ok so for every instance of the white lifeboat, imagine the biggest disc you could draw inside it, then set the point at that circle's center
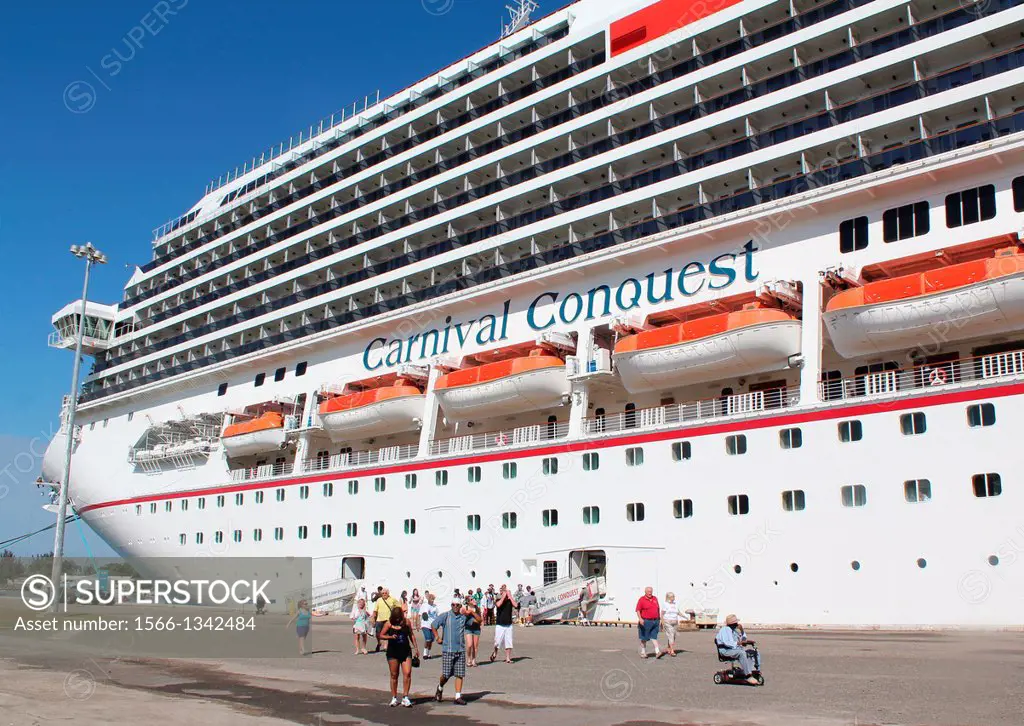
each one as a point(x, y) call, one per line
point(255, 436)
point(506, 387)
point(744, 342)
point(967, 300)
point(382, 410)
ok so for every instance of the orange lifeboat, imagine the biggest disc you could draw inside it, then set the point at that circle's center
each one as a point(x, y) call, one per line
point(517, 384)
point(373, 412)
point(966, 300)
point(745, 342)
point(257, 435)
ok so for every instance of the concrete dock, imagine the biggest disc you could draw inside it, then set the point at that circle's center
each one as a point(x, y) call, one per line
point(562, 675)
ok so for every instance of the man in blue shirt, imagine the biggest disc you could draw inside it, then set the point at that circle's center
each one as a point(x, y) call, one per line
point(731, 641)
point(453, 648)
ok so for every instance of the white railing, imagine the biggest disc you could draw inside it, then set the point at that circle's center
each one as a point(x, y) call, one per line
point(265, 471)
point(353, 459)
point(533, 435)
point(737, 405)
point(932, 376)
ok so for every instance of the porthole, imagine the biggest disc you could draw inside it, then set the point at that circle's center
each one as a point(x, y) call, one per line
point(794, 567)
point(855, 565)
point(408, 574)
point(922, 562)
point(775, 582)
point(508, 573)
point(993, 560)
point(472, 573)
point(440, 574)
point(737, 569)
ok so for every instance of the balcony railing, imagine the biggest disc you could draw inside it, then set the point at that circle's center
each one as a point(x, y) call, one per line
point(738, 405)
point(507, 439)
point(265, 471)
point(932, 376)
point(354, 459)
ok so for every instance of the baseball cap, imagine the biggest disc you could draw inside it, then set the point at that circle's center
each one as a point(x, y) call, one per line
point(456, 601)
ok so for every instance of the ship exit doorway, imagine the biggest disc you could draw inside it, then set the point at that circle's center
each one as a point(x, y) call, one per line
point(587, 563)
point(353, 568)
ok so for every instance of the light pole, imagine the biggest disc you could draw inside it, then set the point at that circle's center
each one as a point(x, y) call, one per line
point(92, 256)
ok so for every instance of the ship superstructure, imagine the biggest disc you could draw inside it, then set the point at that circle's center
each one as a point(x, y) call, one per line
point(726, 298)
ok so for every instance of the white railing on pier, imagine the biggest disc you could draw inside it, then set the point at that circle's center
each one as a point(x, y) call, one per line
point(737, 405)
point(354, 459)
point(264, 471)
point(520, 436)
point(959, 373)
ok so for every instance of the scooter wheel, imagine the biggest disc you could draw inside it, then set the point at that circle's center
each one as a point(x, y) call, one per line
point(760, 679)
point(718, 678)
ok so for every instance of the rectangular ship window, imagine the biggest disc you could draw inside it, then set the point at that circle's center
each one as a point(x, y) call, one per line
point(910, 220)
point(987, 485)
point(917, 490)
point(739, 504)
point(682, 508)
point(850, 431)
point(982, 414)
point(791, 438)
point(681, 451)
point(970, 206)
point(794, 500)
point(591, 515)
point(855, 495)
point(853, 234)
point(635, 512)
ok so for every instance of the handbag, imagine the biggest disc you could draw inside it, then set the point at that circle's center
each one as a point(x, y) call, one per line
point(415, 661)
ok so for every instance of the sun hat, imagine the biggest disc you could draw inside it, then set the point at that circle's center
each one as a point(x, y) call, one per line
point(731, 620)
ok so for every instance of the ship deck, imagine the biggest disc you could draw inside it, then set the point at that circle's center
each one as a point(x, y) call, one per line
point(561, 675)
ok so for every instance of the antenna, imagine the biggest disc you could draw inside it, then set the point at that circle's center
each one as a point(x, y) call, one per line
point(519, 16)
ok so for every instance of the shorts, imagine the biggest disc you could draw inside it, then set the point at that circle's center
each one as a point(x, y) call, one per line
point(453, 665)
point(649, 630)
point(428, 635)
point(302, 630)
point(377, 627)
point(502, 636)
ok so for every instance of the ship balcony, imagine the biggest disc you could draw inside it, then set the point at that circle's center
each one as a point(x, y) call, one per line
point(736, 406)
point(263, 471)
point(515, 438)
point(927, 378)
point(356, 459)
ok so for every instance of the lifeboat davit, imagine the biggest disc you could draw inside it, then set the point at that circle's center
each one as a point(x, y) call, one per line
point(744, 342)
point(516, 385)
point(384, 410)
point(967, 300)
point(255, 436)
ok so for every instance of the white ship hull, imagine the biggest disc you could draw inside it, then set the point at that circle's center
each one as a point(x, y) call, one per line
point(747, 351)
point(391, 416)
point(993, 307)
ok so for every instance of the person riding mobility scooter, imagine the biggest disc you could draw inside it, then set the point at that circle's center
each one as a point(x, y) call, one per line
point(733, 647)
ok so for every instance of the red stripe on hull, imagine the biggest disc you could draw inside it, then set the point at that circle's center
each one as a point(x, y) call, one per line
point(660, 19)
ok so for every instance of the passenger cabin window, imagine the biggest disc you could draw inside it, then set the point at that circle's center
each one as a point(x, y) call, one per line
point(440, 478)
point(1018, 194)
point(278, 533)
point(222, 389)
point(379, 484)
point(378, 528)
point(681, 451)
point(910, 220)
point(682, 508)
point(259, 498)
point(987, 485)
point(912, 424)
point(351, 529)
point(509, 520)
point(634, 456)
point(473, 522)
point(353, 486)
point(739, 504)
point(410, 526)
point(981, 414)
point(635, 512)
point(853, 234)
point(328, 489)
point(326, 531)
point(550, 466)
point(970, 206)
point(279, 374)
point(509, 470)
point(549, 517)
point(303, 531)
point(410, 481)
point(791, 438)
point(591, 515)
point(474, 474)
point(855, 495)
point(260, 378)
point(736, 445)
point(591, 461)
point(917, 490)
point(300, 369)
point(794, 501)
point(850, 431)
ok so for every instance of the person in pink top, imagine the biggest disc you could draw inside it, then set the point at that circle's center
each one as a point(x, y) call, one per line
point(648, 613)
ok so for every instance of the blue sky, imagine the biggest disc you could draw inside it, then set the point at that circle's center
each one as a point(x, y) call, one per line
point(171, 103)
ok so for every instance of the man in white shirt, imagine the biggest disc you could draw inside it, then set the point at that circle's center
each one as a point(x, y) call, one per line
point(428, 612)
point(731, 642)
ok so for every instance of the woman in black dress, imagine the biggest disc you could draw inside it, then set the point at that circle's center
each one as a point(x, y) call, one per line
point(401, 647)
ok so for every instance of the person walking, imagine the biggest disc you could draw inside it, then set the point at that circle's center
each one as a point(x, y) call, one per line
point(450, 633)
point(473, 621)
point(401, 653)
point(404, 600)
point(529, 606)
point(303, 619)
point(648, 614)
point(489, 605)
point(503, 619)
point(382, 609)
point(360, 625)
point(415, 603)
point(427, 615)
point(517, 600)
point(582, 602)
point(670, 621)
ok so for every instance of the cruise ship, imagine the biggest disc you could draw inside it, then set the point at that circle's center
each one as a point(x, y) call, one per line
point(721, 297)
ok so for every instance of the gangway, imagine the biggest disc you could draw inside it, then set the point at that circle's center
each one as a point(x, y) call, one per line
point(561, 597)
point(335, 595)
